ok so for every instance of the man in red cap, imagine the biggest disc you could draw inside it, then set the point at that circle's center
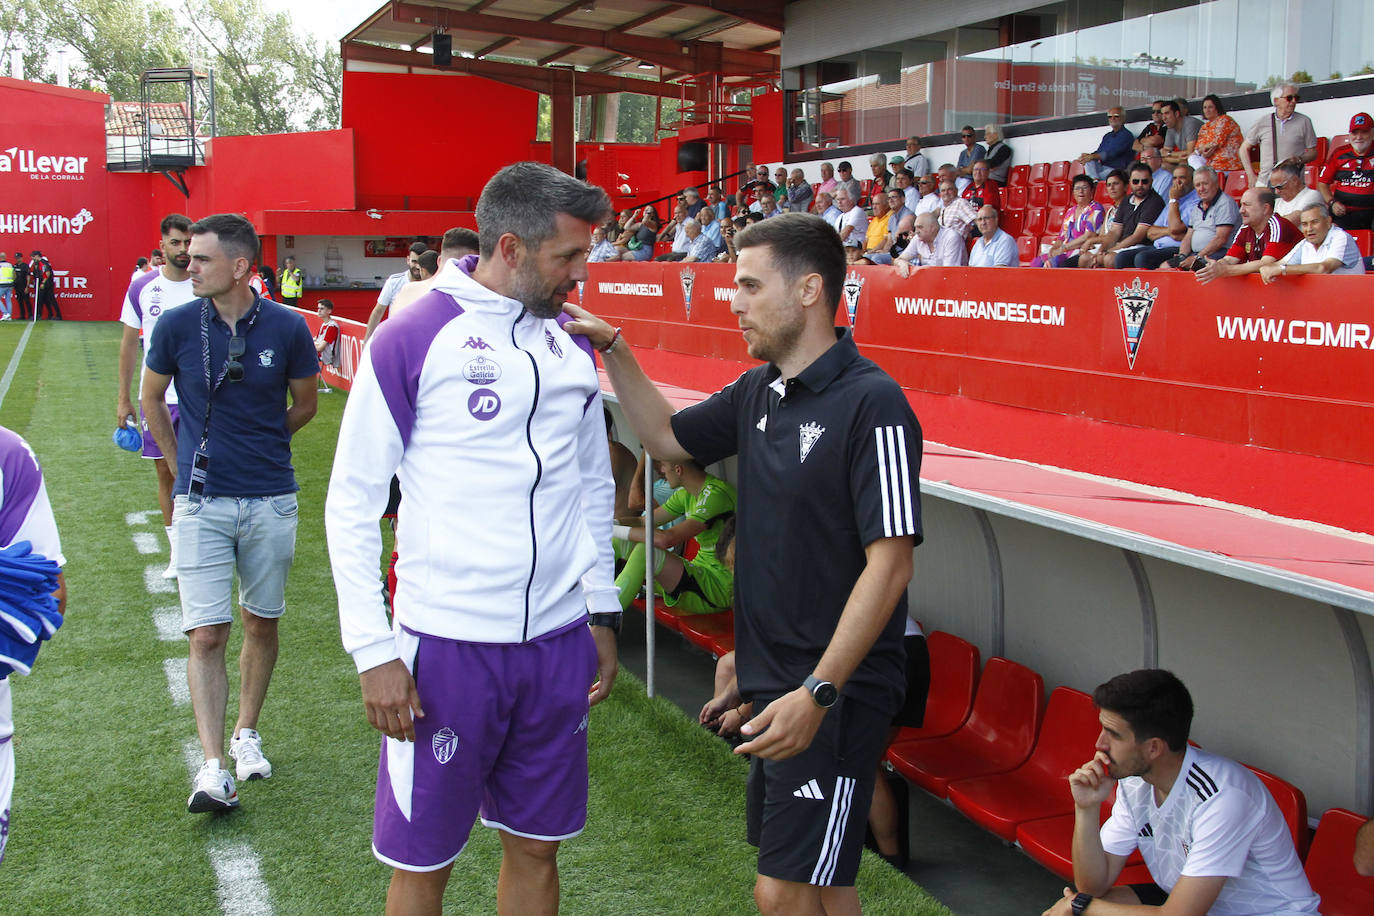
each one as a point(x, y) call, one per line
point(1347, 179)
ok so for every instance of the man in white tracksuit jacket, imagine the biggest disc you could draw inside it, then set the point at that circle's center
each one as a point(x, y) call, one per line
point(490, 415)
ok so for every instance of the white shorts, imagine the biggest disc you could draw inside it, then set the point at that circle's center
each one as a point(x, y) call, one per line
point(6, 763)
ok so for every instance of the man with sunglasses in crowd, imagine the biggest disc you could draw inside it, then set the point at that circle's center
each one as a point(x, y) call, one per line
point(1283, 136)
point(1129, 231)
point(234, 357)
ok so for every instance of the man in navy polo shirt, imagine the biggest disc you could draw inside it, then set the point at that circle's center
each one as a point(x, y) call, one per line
point(828, 514)
point(234, 356)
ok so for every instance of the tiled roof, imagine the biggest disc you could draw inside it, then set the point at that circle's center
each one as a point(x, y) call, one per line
point(169, 119)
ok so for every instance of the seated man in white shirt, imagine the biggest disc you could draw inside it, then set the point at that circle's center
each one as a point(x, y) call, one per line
point(929, 201)
point(825, 206)
point(1325, 249)
point(994, 248)
point(1285, 180)
point(852, 219)
point(933, 245)
point(1211, 835)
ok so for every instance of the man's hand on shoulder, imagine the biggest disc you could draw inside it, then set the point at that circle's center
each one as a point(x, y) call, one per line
point(597, 332)
point(1090, 784)
point(788, 725)
point(390, 697)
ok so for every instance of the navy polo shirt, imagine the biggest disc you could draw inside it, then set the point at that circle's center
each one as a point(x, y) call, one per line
point(828, 463)
point(249, 447)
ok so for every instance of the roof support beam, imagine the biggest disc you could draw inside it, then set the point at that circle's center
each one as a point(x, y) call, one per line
point(667, 52)
point(535, 79)
point(623, 27)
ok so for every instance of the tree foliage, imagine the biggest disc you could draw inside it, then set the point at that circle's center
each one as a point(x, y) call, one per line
point(270, 77)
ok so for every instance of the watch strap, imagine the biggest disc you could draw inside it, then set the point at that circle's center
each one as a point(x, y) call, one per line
point(610, 621)
point(1079, 904)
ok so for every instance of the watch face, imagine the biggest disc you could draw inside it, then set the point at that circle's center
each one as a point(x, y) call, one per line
point(825, 694)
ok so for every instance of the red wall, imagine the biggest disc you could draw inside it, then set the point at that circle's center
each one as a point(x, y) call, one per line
point(768, 127)
point(430, 139)
point(301, 171)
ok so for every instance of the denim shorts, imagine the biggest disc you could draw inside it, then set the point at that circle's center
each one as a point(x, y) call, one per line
point(256, 535)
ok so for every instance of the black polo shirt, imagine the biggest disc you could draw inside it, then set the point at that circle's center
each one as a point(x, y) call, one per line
point(828, 463)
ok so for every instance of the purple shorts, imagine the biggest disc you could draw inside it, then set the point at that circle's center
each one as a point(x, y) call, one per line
point(150, 449)
point(504, 734)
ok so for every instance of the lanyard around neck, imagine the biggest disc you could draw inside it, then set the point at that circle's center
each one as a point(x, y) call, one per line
point(210, 389)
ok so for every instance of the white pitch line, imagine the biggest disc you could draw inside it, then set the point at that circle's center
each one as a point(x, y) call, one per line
point(238, 869)
point(14, 362)
point(134, 519)
point(168, 623)
point(155, 584)
point(145, 542)
point(175, 669)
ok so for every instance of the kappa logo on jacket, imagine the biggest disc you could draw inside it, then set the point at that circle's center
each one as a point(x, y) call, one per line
point(477, 343)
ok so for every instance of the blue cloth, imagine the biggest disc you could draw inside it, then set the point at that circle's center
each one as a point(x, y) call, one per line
point(28, 609)
point(1115, 149)
point(128, 438)
point(250, 450)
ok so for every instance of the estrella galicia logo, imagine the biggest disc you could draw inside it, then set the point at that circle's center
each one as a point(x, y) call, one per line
point(477, 343)
point(484, 404)
point(481, 371)
point(1134, 302)
point(445, 744)
point(552, 341)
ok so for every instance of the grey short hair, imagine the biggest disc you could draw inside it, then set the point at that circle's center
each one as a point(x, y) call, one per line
point(1287, 168)
point(525, 198)
point(877, 158)
point(1321, 207)
point(1205, 170)
point(1282, 89)
point(993, 129)
point(693, 191)
point(690, 222)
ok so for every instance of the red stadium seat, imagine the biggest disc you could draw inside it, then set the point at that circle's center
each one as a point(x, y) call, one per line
point(1059, 194)
point(723, 644)
point(1014, 197)
point(1331, 869)
point(1019, 176)
point(1100, 194)
point(1049, 841)
point(1035, 221)
point(1362, 239)
point(1039, 195)
point(1059, 171)
point(1012, 221)
point(1039, 173)
point(953, 677)
point(1039, 787)
point(1054, 220)
point(1309, 175)
point(1236, 183)
point(1076, 168)
point(702, 630)
point(997, 737)
point(1027, 247)
point(670, 617)
point(1292, 803)
point(1324, 149)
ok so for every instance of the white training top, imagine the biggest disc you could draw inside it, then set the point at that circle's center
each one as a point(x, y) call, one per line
point(148, 298)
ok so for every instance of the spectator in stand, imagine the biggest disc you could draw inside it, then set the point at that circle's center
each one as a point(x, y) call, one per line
point(825, 207)
point(763, 191)
point(700, 247)
point(1126, 235)
point(1286, 181)
point(998, 155)
point(878, 236)
point(916, 160)
point(973, 152)
point(927, 200)
point(828, 182)
point(1325, 249)
point(799, 193)
point(905, 182)
point(780, 194)
point(1180, 204)
point(1083, 219)
point(852, 220)
point(1281, 136)
point(932, 245)
point(1181, 134)
point(881, 180)
point(1114, 152)
point(710, 227)
point(983, 191)
point(639, 236)
point(768, 207)
point(1218, 142)
point(1209, 234)
point(957, 213)
point(1211, 835)
point(674, 230)
point(602, 248)
point(1264, 239)
point(897, 209)
point(717, 203)
point(849, 182)
point(994, 247)
point(1347, 179)
point(1151, 136)
point(1162, 176)
point(692, 198)
point(853, 250)
point(727, 234)
point(1091, 250)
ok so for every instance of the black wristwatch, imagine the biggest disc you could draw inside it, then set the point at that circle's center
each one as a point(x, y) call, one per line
point(1080, 903)
point(822, 692)
point(610, 621)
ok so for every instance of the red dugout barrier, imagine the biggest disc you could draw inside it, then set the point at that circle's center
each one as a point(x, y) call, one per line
point(350, 347)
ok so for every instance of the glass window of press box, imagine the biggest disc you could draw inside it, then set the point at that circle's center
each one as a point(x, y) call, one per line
point(1073, 57)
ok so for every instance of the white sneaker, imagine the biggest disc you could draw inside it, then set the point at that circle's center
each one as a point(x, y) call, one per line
point(171, 571)
point(212, 789)
point(247, 750)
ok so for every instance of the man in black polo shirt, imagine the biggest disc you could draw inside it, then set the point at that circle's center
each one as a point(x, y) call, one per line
point(828, 513)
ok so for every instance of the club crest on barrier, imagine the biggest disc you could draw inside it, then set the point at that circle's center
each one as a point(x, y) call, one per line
point(689, 278)
point(853, 286)
point(1134, 303)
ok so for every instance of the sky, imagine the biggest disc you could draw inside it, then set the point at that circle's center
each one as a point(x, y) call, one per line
point(327, 20)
